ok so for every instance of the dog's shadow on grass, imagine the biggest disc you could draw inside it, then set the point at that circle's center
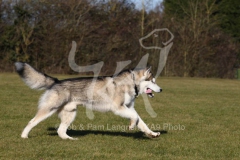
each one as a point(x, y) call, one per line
point(79, 133)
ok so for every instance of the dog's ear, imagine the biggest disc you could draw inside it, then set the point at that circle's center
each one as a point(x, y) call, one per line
point(148, 73)
point(149, 68)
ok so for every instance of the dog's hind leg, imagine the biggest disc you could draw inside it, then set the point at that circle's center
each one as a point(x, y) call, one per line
point(40, 116)
point(67, 116)
point(49, 103)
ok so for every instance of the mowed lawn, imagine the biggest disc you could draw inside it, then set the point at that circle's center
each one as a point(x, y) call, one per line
point(198, 118)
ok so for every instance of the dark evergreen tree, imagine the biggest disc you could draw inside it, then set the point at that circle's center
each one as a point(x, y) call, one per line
point(229, 13)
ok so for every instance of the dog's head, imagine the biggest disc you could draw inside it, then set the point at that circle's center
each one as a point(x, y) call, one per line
point(147, 83)
point(148, 86)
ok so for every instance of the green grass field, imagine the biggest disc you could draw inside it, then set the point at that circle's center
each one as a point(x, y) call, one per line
point(198, 119)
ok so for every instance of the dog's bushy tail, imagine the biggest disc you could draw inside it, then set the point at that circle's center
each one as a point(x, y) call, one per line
point(33, 78)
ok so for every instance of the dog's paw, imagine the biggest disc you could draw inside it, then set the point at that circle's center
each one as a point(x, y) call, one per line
point(24, 136)
point(74, 139)
point(153, 134)
point(67, 137)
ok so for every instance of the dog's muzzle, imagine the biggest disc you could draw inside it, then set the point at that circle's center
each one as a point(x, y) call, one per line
point(149, 92)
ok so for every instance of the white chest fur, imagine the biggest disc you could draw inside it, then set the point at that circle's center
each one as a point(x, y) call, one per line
point(128, 99)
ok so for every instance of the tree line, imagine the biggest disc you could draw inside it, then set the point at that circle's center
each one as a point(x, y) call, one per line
point(40, 32)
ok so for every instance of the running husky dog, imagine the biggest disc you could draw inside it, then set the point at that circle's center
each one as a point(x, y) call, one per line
point(115, 93)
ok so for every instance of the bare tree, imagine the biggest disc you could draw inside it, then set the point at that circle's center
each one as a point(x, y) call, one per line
point(193, 29)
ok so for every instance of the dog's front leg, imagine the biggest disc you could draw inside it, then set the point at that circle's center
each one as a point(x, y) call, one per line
point(133, 121)
point(144, 128)
point(141, 125)
point(128, 112)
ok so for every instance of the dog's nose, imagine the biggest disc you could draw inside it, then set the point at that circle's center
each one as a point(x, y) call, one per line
point(160, 90)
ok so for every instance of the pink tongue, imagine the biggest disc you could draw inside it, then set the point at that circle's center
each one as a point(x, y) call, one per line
point(149, 91)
